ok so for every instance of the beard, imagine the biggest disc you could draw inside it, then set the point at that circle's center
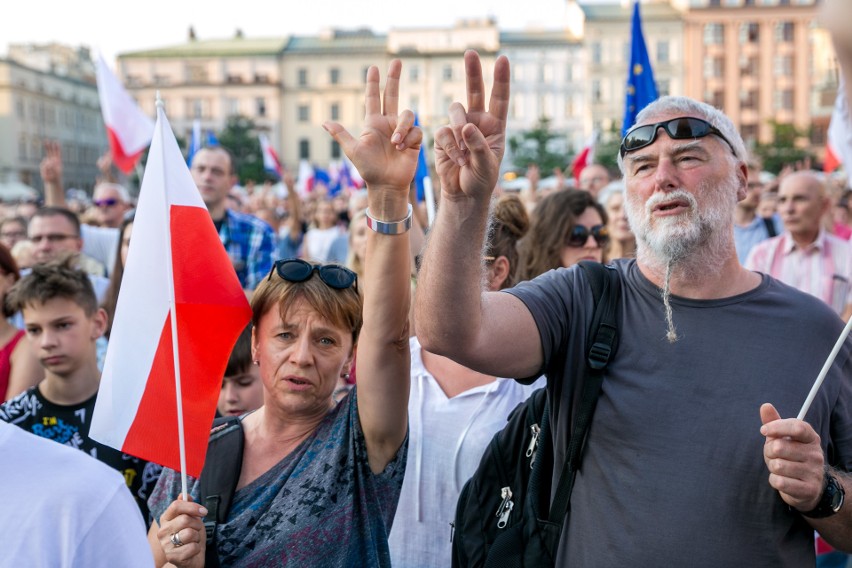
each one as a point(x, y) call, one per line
point(689, 244)
point(699, 236)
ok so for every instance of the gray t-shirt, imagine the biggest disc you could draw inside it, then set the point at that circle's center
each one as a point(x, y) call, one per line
point(319, 506)
point(673, 471)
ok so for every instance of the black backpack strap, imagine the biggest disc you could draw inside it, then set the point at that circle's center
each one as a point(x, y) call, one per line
point(602, 341)
point(219, 477)
point(770, 227)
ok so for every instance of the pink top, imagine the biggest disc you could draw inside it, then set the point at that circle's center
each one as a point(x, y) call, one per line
point(6, 362)
point(822, 269)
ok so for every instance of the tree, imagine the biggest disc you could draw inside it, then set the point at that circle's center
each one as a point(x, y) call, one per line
point(240, 137)
point(539, 146)
point(783, 150)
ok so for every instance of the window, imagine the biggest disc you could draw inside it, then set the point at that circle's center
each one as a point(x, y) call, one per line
point(783, 65)
point(195, 108)
point(414, 103)
point(196, 73)
point(749, 32)
point(749, 65)
point(662, 52)
point(714, 67)
point(304, 113)
point(714, 34)
point(335, 111)
point(260, 106)
point(20, 108)
point(414, 73)
point(748, 99)
point(597, 94)
point(749, 132)
point(334, 76)
point(784, 32)
point(664, 87)
point(304, 149)
point(302, 77)
point(447, 73)
point(597, 52)
point(715, 98)
point(233, 106)
point(784, 99)
point(335, 150)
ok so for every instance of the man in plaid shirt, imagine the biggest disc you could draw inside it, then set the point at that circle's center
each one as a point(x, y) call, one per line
point(249, 241)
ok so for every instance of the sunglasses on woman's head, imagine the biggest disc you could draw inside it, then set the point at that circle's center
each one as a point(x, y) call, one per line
point(580, 234)
point(298, 270)
point(682, 128)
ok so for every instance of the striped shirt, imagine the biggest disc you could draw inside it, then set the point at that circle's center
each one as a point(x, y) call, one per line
point(822, 268)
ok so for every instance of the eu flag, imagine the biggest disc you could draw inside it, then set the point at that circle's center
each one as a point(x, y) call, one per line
point(422, 173)
point(641, 88)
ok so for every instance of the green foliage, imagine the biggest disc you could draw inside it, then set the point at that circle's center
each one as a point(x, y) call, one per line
point(788, 146)
point(535, 147)
point(240, 137)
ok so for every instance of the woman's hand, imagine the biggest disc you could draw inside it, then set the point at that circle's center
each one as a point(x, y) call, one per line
point(468, 152)
point(385, 153)
point(182, 535)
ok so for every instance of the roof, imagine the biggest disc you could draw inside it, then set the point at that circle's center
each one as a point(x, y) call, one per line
point(331, 41)
point(617, 12)
point(229, 47)
point(532, 38)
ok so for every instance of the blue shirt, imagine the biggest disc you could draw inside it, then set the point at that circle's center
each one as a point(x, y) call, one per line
point(745, 237)
point(250, 244)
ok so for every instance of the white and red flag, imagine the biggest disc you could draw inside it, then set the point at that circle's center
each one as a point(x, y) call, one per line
point(838, 150)
point(129, 130)
point(585, 158)
point(178, 283)
point(271, 163)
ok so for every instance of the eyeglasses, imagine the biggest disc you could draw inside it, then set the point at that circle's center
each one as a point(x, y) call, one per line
point(580, 234)
point(52, 238)
point(677, 128)
point(103, 203)
point(13, 234)
point(298, 270)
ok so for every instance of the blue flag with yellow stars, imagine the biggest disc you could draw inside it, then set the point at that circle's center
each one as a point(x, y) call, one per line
point(641, 88)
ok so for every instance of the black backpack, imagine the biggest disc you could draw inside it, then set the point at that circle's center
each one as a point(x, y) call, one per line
point(219, 477)
point(504, 517)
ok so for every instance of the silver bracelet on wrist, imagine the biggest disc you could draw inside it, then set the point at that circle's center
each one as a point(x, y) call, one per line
point(390, 227)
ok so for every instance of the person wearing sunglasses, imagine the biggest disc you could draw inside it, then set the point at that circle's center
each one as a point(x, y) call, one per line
point(111, 201)
point(320, 480)
point(567, 226)
point(685, 463)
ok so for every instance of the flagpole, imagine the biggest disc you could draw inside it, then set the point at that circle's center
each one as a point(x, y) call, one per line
point(828, 362)
point(173, 319)
point(429, 196)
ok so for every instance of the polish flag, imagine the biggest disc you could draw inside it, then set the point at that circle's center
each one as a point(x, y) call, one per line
point(129, 130)
point(271, 163)
point(178, 282)
point(838, 151)
point(586, 157)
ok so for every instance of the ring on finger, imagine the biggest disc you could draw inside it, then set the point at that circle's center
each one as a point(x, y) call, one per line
point(175, 538)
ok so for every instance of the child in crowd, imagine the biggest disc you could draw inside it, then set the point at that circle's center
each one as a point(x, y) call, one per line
point(63, 322)
point(242, 389)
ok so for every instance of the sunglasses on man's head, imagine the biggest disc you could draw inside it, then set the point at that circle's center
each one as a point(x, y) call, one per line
point(682, 128)
point(580, 234)
point(109, 202)
point(298, 270)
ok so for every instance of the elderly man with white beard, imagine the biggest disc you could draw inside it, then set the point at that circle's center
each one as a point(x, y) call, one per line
point(692, 458)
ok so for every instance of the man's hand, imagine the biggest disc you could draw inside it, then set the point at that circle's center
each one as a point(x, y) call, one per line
point(794, 457)
point(468, 152)
point(51, 165)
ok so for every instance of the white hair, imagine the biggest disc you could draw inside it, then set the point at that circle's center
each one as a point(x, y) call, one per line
point(685, 106)
point(119, 189)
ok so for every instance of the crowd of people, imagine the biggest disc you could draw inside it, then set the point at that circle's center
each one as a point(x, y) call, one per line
point(382, 353)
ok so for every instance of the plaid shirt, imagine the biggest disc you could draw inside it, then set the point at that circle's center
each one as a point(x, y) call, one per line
point(250, 244)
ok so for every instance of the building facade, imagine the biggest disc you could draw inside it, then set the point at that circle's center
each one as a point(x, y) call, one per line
point(37, 106)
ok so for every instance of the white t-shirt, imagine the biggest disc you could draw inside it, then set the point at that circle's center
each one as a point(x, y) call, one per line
point(447, 437)
point(63, 508)
point(101, 244)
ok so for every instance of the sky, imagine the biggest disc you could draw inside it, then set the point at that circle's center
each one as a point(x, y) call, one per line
point(111, 27)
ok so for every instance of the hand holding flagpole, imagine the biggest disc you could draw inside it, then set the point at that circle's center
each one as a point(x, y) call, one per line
point(828, 362)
